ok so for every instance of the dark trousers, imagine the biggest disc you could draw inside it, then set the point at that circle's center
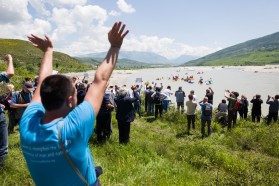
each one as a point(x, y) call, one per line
point(180, 104)
point(232, 116)
point(203, 122)
point(158, 108)
point(256, 115)
point(243, 114)
point(272, 115)
point(150, 108)
point(103, 126)
point(191, 119)
point(12, 121)
point(124, 131)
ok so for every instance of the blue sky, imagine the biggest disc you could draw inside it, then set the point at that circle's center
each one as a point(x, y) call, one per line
point(168, 27)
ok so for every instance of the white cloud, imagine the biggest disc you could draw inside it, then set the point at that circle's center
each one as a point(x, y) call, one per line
point(124, 7)
point(39, 6)
point(114, 13)
point(14, 12)
point(164, 46)
point(65, 2)
point(80, 29)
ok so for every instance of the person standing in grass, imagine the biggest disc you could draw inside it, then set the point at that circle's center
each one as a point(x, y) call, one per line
point(125, 113)
point(232, 113)
point(54, 130)
point(167, 100)
point(243, 112)
point(273, 108)
point(5, 76)
point(209, 94)
point(180, 95)
point(256, 108)
point(191, 106)
point(206, 116)
point(158, 98)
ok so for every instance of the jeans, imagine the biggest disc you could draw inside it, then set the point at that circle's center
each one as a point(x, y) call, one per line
point(166, 105)
point(3, 138)
point(150, 109)
point(137, 107)
point(208, 121)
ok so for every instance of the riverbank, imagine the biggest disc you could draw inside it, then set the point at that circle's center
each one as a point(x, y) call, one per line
point(121, 77)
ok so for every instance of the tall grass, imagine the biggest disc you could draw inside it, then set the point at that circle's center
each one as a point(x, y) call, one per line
point(160, 153)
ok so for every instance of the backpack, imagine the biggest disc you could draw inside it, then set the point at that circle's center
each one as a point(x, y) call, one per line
point(237, 106)
point(157, 99)
point(207, 110)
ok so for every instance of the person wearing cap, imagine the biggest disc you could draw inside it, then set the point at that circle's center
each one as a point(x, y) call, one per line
point(5, 76)
point(19, 102)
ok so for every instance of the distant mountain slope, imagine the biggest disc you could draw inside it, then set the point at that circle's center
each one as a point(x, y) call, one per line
point(264, 50)
point(121, 63)
point(27, 59)
point(142, 57)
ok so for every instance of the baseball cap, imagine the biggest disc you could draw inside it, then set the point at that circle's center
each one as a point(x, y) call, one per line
point(29, 86)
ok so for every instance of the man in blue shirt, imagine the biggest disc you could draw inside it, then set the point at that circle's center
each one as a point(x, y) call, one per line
point(54, 132)
point(206, 116)
point(5, 76)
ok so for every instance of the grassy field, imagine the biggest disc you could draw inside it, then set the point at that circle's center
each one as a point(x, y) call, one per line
point(160, 153)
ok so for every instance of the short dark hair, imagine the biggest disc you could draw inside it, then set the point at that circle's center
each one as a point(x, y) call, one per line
point(190, 96)
point(224, 101)
point(277, 96)
point(236, 94)
point(55, 89)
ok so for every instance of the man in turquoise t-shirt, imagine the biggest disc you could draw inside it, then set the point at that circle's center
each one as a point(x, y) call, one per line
point(54, 132)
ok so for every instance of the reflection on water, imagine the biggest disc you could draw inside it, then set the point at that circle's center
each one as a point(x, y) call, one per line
point(247, 83)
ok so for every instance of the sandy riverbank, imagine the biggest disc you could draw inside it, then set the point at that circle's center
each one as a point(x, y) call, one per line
point(266, 68)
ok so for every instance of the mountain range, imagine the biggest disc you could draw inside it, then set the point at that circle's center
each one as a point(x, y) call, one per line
point(260, 51)
point(143, 58)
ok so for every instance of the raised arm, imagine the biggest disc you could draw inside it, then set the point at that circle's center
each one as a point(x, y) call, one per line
point(103, 73)
point(227, 94)
point(45, 45)
point(10, 70)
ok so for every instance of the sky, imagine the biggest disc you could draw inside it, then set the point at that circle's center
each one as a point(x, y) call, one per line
point(170, 28)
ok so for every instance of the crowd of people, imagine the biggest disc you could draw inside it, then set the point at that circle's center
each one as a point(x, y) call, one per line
point(56, 114)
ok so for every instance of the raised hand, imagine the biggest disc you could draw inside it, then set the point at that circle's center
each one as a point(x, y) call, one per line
point(42, 43)
point(116, 35)
point(8, 58)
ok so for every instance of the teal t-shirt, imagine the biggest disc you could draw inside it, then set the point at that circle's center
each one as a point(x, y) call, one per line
point(42, 152)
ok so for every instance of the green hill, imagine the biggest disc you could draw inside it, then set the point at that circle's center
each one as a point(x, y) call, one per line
point(261, 51)
point(27, 60)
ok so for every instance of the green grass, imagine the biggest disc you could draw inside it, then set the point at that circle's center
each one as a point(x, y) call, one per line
point(160, 153)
